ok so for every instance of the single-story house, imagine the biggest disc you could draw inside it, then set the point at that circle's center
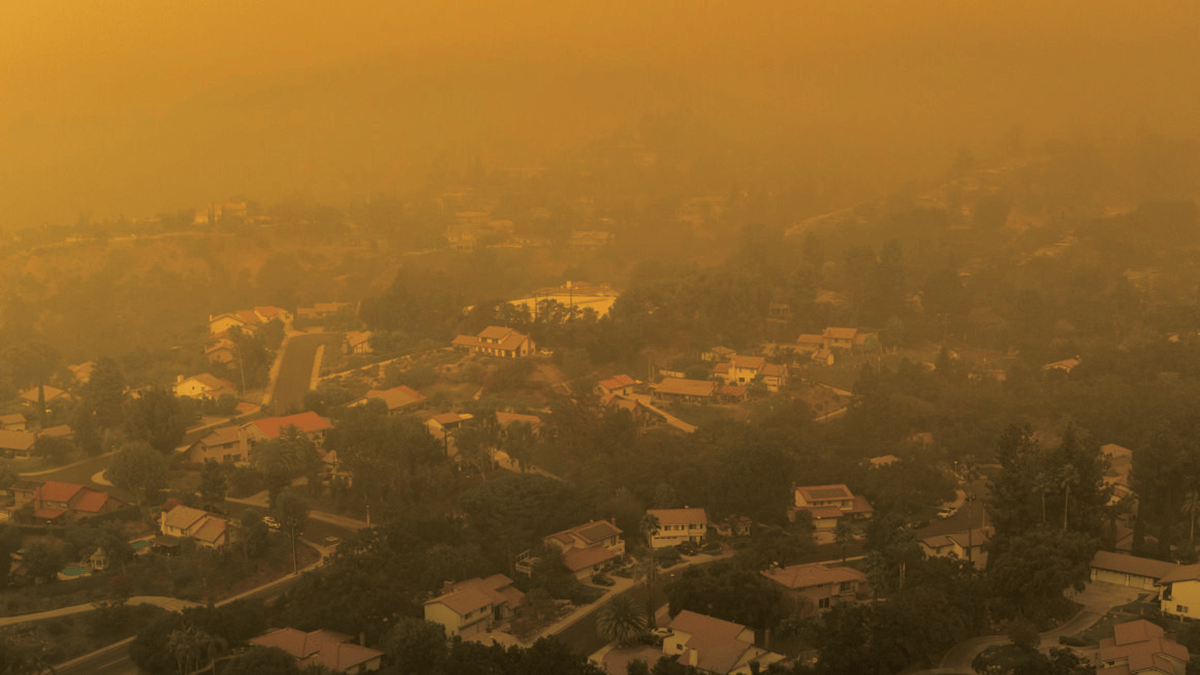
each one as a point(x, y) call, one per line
point(690, 391)
point(398, 399)
point(822, 585)
point(14, 422)
point(204, 385)
point(30, 396)
point(808, 342)
point(621, 385)
point(270, 313)
point(1128, 570)
point(1140, 647)
point(309, 423)
point(221, 351)
point(715, 646)
point(335, 651)
point(207, 529)
point(54, 500)
point(474, 606)
point(17, 444)
point(679, 525)
point(1180, 592)
point(358, 342)
point(497, 341)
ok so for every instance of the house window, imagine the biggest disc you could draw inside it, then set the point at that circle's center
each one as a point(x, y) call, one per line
point(823, 603)
point(845, 587)
point(1181, 609)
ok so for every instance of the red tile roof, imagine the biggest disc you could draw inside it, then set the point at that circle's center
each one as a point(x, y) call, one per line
point(91, 501)
point(54, 491)
point(581, 558)
point(306, 422)
point(618, 382)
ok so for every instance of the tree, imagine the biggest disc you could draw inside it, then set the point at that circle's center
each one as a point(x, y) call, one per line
point(843, 534)
point(621, 621)
point(104, 394)
point(1031, 571)
point(157, 418)
point(292, 512)
point(415, 647)
point(650, 527)
point(139, 469)
point(260, 660)
point(1067, 477)
point(891, 547)
point(193, 648)
point(55, 450)
point(34, 364)
point(44, 559)
point(212, 483)
point(1191, 508)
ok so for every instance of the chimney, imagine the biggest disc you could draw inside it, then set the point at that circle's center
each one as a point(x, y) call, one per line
point(362, 639)
point(446, 586)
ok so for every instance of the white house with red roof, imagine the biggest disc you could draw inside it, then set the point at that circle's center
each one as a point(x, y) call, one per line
point(204, 385)
point(308, 422)
point(223, 444)
point(221, 323)
point(270, 313)
point(1141, 648)
point(822, 585)
point(335, 651)
point(676, 526)
point(497, 341)
point(206, 529)
point(715, 646)
point(474, 606)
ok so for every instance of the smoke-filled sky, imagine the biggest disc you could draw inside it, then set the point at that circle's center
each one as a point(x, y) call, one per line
point(139, 106)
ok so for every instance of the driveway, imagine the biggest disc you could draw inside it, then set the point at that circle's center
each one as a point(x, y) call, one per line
point(1097, 599)
point(296, 368)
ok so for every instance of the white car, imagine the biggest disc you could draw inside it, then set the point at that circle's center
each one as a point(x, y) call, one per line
point(947, 513)
point(271, 523)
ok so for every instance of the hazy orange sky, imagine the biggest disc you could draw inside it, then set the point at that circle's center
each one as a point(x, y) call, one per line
point(133, 107)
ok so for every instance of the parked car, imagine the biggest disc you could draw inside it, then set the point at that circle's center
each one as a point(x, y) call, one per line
point(711, 547)
point(947, 513)
point(332, 541)
point(271, 523)
point(655, 637)
point(687, 548)
point(602, 579)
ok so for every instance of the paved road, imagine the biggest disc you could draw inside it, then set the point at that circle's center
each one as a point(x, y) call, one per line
point(672, 420)
point(296, 369)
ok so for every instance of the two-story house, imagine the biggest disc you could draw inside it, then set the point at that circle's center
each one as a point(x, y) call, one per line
point(965, 545)
point(223, 444)
point(204, 385)
point(828, 504)
point(207, 529)
point(358, 342)
point(474, 606)
point(308, 423)
point(821, 585)
point(1180, 592)
point(497, 341)
point(715, 646)
point(399, 399)
point(676, 526)
point(57, 502)
point(586, 549)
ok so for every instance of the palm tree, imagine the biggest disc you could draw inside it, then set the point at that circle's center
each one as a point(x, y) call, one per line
point(650, 527)
point(1042, 483)
point(620, 621)
point(1191, 507)
point(1068, 477)
point(970, 474)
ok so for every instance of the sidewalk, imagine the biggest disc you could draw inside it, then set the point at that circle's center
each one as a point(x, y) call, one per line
point(171, 604)
point(671, 419)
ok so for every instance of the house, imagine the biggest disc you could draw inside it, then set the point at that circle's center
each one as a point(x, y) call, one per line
point(309, 423)
point(884, 460)
point(83, 371)
point(221, 323)
point(474, 606)
point(823, 356)
point(63, 431)
point(586, 549)
point(1066, 365)
point(1128, 570)
point(17, 444)
point(222, 351)
point(1140, 647)
point(842, 338)
point(715, 646)
point(321, 310)
point(621, 385)
point(54, 500)
point(270, 313)
point(397, 399)
point(202, 386)
point(1180, 594)
point(207, 529)
point(444, 423)
point(223, 444)
point(821, 585)
point(744, 369)
point(827, 504)
point(717, 354)
point(14, 422)
point(731, 393)
point(734, 526)
point(635, 408)
point(807, 342)
point(676, 526)
point(31, 396)
point(688, 391)
point(335, 651)
point(504, 419)
point(497, 341)
point(358, 342)
point(957, 545)
point(774, 375)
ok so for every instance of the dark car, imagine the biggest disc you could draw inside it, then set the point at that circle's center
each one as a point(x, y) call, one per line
point(687, 548)
point(655, 637)
point(711, 547)
point(602, 579)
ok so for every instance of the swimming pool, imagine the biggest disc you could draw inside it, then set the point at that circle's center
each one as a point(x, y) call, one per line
point(73, 572)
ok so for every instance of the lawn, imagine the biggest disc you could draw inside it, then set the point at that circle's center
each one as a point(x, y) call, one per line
point(701, 415)
point(64, 638)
